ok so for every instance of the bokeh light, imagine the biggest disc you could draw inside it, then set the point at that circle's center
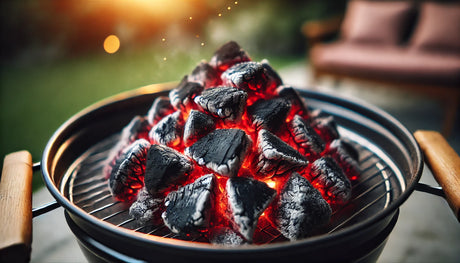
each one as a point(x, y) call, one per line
point(111, 44)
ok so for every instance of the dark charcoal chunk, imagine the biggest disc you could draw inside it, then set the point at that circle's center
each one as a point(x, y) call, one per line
point(227, 103)
point(184, 93)
point(275, 156)
point(160, 108)
point(299, 106)
point(127, 174)
point(222, 151)
point(188, 208)
point(273, 79)
point(168, 131)
point(301, 208)
point(246, 76)
point(331, 180)
point(325, 125)
point(198, 124)
point(145, 207)
point(138, 128)
point(346, 156)
point(269, 114)
point(226, 236)
point(247, 199)
point(228, 55)
point(206, 75)
point(164, 167)
point(305, 137)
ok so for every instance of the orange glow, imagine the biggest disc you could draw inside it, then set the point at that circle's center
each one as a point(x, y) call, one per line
point(111, 44)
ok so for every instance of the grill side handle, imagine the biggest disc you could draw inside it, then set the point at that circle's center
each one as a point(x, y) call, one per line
point(444, 162)
point(16, 207)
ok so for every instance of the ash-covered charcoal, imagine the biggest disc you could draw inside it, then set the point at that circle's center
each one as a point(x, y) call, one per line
point(275, 157)
point(325, 125)
point(198, 124)
point(184, 93)
point(164, 167)
point(301, 208)
point(247, 199)
point(305, 137)
point(226, 236)
point(222, 151)
point(168, 131)
point(269, 114)
point(145, 207)
point(346, 156)
point(160, 108)
point(227, 103)
point(331, 181)
point(127, 174)
point(299, 106)
point(138, 128)
point(228, 55)
point(248, 76)
point(188, 208)
point(206, 75)
point(273, 79)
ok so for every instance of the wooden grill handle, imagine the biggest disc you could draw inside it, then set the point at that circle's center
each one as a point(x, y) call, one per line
point(444, 162)
point(16, 208)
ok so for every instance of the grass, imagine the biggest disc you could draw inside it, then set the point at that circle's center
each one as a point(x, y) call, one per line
point(35, 99)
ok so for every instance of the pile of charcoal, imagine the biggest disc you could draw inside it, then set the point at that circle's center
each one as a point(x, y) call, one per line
point(229, 146)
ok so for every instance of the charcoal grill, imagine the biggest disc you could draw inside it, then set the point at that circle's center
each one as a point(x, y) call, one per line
point(72, 164)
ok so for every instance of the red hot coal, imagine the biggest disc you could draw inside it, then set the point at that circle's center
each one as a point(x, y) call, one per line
point(231, 146)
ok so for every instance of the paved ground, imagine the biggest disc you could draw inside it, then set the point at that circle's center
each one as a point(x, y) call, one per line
point(425, 232)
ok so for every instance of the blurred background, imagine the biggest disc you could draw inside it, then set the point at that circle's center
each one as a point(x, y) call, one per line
point(59, 56)
point(54, 61)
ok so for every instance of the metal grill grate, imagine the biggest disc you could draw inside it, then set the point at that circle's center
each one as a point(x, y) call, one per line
point(88, 189)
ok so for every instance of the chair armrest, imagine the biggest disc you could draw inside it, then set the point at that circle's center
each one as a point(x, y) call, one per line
point(317, 30)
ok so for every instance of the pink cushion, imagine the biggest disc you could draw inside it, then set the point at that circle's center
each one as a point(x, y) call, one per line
point(383, 22)
point(438, 27)
point(390, 63)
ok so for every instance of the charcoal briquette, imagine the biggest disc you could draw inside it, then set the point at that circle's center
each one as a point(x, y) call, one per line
point(301, 208)
point(160, 108)
point(146, 206)
point(188, 208)
point(269, 114)
point(169, 130)
point(226, 236)
point(248, 76)
point(275, 157)
point(305, 137)
point(164, 167)
point(183, 95)
point(198, 124)
point(325, 125)
point(127, 174)
point(247, 199)
point(346, 156)
point(298, 103)
point(228, 55)
point(137, 128)
point(273, 79)
point(331, 181)
point(225, 102)
point(206, 75)
point(222, 151)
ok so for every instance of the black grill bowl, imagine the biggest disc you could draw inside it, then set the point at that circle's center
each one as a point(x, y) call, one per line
point(357, 234)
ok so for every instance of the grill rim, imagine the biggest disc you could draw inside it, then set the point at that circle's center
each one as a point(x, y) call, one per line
point(53, 153)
